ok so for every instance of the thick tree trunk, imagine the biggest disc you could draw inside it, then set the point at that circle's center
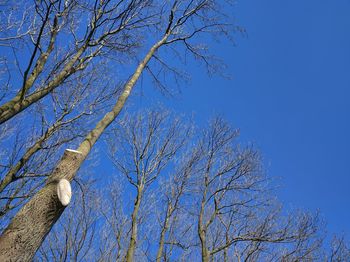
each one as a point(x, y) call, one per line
point(29, 227)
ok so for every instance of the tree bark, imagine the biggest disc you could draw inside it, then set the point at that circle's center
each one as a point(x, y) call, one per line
point(132, 245)
point(27, 230)
point(202, 229)
point(162, 234)
point(205, 251)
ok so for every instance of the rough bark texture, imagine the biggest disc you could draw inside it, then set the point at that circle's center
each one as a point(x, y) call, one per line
point(29, 227)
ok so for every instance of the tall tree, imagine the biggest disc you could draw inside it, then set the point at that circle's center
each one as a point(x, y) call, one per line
point(149, 142)
point(89, 30)
point(209, 194)
point(171, 23)
point(209, 201)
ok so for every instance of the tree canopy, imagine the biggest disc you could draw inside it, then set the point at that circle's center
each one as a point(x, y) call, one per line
point(67, 71)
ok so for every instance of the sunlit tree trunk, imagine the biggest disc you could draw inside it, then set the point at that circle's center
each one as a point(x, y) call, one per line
point(202, 236)
point(162, 234)
point(133, 238)
point(29, 227)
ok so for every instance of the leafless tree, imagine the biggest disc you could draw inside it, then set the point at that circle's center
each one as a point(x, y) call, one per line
point(30, 156)
point(235, 214)
point(115, 223)
point(147, 143)
point(215, 197)
point(89, 29)
point(195, 197)
point(340, 250)
point(214, 201)
point(113, 26)
point(172, 216)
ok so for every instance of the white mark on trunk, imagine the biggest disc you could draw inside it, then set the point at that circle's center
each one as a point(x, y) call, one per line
point(74, 151)
point(64, 191)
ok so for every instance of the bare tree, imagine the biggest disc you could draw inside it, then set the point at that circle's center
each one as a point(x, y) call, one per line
point(30, 156)
point(235, 215)
point(115, 230)
point(90, 30)
point(148, 142)
point(174, 189)
point(340, 250)
point(207, 198)
point(215, 202)
point(216, 197)
point(172, 23)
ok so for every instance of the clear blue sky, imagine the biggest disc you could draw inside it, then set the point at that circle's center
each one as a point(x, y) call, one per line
point(289, 95)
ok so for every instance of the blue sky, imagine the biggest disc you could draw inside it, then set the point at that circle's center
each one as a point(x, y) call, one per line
point(289, 95)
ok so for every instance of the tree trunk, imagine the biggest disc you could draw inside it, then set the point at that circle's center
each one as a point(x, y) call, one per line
point(27, 230)
point(204, 249)
point(132, 245)
point(162, 234)
point(202, 228)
